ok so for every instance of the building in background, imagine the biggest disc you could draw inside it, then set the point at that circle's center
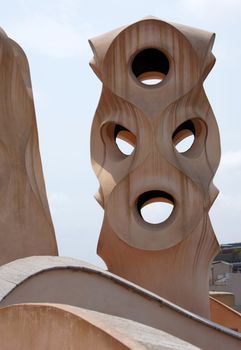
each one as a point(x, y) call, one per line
point(225, 275)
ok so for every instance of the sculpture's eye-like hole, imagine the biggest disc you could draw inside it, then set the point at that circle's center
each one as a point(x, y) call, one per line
point(125, 140)
point(155, 207)
point(184, 136)
point(150, 66)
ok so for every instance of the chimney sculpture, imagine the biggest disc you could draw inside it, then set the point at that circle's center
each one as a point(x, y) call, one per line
point(25, 223)
point(171, 258)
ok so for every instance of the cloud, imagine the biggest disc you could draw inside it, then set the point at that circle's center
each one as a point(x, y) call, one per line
point(215, 9)
point(225, 217)
point(218, 5)
point(57, 202)
point(230, 202)
point(231, 160)
point(46, 35)
point(225, 212)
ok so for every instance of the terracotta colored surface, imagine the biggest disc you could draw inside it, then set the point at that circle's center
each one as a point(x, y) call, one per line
point(224, 297)
point(49, 326)
point(25, 223)
point(171, 258)
point(224, 315)
point(70, 281)
point(231, 283)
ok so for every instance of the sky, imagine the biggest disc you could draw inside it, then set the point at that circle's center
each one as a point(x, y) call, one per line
point(54, 35)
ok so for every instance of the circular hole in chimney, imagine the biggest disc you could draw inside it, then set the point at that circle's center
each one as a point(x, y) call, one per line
point(184, 136)
point(150, 66)
point(155, 206)
point(125, 140)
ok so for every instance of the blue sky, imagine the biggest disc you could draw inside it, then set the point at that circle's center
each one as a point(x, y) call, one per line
point(54, 36)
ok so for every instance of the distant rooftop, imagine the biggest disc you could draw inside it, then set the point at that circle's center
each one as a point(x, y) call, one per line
point(230, 252)
point(231, 246)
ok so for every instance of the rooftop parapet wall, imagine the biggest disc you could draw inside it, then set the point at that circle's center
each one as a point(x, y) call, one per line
point(73, 282)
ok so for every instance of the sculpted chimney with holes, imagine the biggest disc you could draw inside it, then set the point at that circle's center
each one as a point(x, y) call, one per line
point(153, 98)
point(152, 101)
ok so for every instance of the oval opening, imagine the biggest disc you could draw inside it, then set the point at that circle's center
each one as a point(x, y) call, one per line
point(155, 207)
point(125, 140)
point(184, 136)
point(185, 144)
point(150, 66)
point(152, 78)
